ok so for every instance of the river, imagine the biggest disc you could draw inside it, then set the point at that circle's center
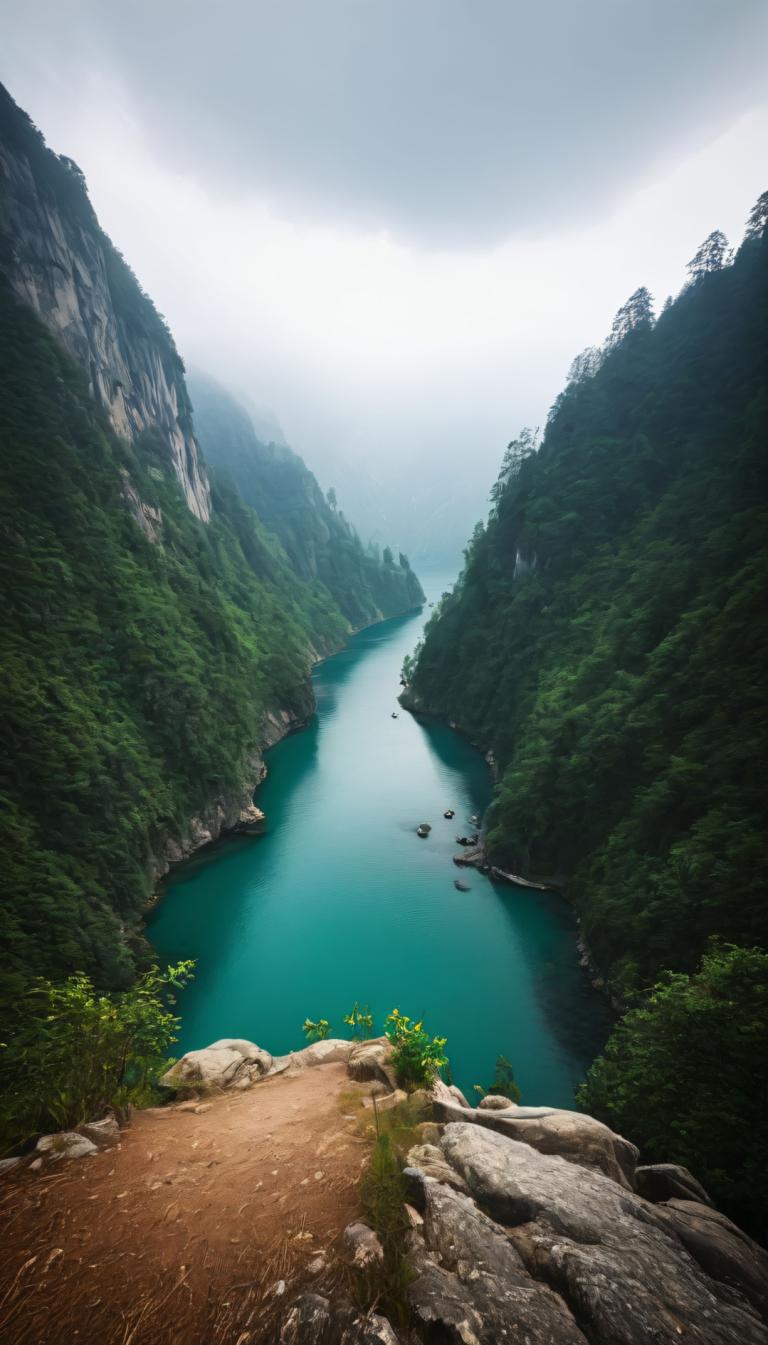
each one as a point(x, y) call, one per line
point(340, 900)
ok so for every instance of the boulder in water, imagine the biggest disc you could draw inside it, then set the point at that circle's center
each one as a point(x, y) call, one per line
point(423, 829)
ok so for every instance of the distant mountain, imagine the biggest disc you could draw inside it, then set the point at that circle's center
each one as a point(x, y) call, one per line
point(366, 582)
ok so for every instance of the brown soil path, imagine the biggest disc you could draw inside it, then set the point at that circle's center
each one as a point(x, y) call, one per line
point(179, 1235)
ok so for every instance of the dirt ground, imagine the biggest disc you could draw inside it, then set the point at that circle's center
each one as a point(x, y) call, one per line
point(180, 1234)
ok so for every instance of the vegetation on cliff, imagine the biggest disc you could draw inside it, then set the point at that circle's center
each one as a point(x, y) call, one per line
point(136, 673)
point(319, 541)
point(608, 639)
point(682, 1075)
point(608, 635)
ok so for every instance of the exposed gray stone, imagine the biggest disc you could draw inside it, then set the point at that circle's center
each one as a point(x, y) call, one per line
point(448, 1094)
point(221, 1065)
point(490, 1291)
point(495, 1102)
point(386, 1101)
point(581, 1139)
point(722, 1249)
point(429, 1159)
point(65, 1144)
point(372, 1060)
point(104, 1133)
point(306, 1321)
point(372, 1330)
point(669, 1181)
point(8, 1164)
point(362, 1245)
point(610, 1254)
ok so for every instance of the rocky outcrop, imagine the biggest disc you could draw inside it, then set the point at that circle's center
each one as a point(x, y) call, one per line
point(61, 263)
point(229, 1063)
point(371, 1060)
point(669, 1181)
point(547, 1250)
point(234, 810)
point(572, 1135)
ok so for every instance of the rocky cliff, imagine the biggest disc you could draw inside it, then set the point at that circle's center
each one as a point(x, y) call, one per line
point(58, 260)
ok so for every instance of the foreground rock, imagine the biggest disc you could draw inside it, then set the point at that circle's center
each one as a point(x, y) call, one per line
point(473, 1284)
point(65, 1144)
point(610, 1255)
point(362, 1245)
point(571, 1135)
point(312, 1320)
point(223, 1064)
point(669, 1181)
point(372, 1060)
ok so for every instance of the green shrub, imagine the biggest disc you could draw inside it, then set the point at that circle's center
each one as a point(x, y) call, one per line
point(316, 1031)
point(503, 1082)
point(683, 1075)
point(360, 1020)
point(416, 1056)
point(75, 1051)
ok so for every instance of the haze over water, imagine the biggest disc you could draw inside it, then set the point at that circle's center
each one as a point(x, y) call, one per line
point(341, 901)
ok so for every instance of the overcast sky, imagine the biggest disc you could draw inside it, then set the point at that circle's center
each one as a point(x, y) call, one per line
point(394, 222)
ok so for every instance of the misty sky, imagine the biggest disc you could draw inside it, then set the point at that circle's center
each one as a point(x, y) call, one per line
point(393, 223)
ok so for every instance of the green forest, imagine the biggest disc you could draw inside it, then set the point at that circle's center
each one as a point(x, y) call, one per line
point(135, 674)
point(608, 637)
point(319, 541)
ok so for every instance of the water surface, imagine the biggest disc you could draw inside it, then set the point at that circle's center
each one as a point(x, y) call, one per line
point(341, 901)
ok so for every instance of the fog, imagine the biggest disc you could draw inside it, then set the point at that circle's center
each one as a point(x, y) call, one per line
point(393, 225)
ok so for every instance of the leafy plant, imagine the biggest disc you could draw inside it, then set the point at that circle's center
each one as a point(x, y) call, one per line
point(682, 1076)
point(416, 1056)
point(503, 1082)
point(316, 1031)
point(76, 1051)
point(360, 1020)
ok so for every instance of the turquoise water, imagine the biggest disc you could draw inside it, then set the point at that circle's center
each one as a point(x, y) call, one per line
point(340, 900)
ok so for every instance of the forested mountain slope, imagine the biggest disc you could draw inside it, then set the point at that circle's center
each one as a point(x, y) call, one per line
point(318, 540)
point(607, 637)
point(155, 635)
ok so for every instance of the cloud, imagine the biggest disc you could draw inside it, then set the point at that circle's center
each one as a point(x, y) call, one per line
point(402, 324)
point(445, 123)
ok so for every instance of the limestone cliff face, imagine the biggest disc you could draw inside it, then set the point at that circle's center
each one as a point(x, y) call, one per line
point(229, 810)
point(58, 260)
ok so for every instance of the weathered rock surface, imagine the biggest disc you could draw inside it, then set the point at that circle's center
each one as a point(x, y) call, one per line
point(722, 1249)
point(312, 1320)
point(104, 1133)
point(8, 1165)
point(372, 1060)
point(669, 1181)
point(362, 1245)
point(306, 1322)
point(581, 1139)
point(611, 1255)
point(449, 1094)
point(65, 1144)
point(474, 1285)
point(221, 1065)
point(495, 1102)
point(428, 1158)
point(69, 273)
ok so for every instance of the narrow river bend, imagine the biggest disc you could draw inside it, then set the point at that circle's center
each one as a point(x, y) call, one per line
point(341, 901)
